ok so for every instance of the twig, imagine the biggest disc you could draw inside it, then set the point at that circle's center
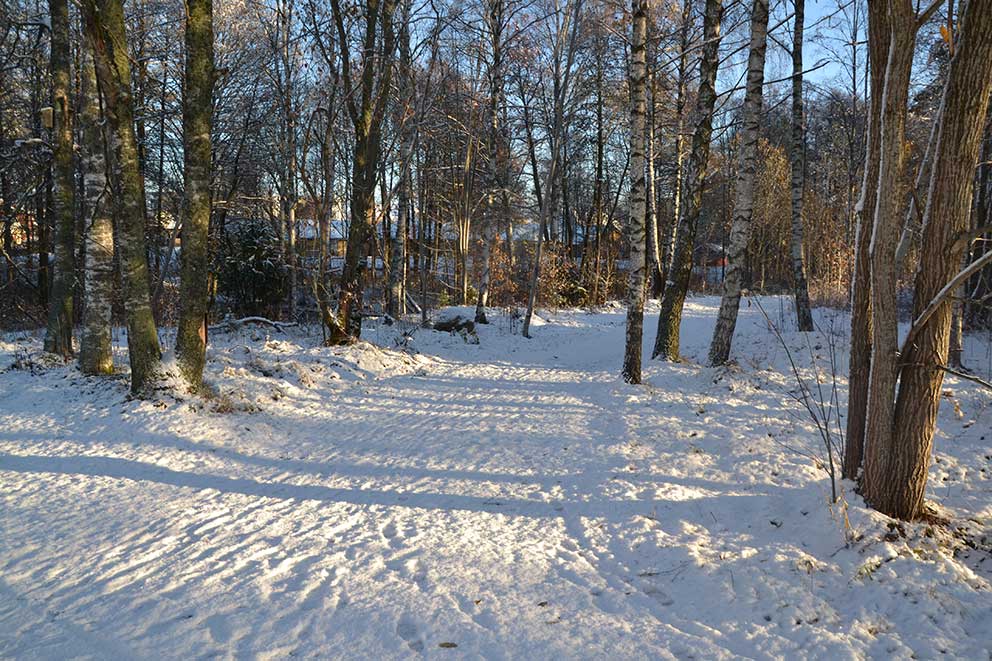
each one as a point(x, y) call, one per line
point(817, 412)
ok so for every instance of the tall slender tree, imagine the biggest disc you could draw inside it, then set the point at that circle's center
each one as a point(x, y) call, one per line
point(740, 230)
point(398, 267)
point(635, 230)
point(567, 19)
point(861, 325)
point(797, 158)
point(666, 342)
point(58, 336)
point(191, 333)
point(498, 197)
point(889, 211)
point(671, 228)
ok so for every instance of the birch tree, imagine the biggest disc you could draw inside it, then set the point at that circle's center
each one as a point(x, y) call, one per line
point(804, 318)
point(95, 353)
point(635, 229)
point(191, 332)
point(740, 230)
point(104, 25)
point(671, 228)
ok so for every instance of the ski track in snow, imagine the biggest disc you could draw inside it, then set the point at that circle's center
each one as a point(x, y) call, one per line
point(512, 498)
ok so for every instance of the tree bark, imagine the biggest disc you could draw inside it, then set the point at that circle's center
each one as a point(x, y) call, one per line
point(397, 269)
point(667, 340)
point(191, 332)
point(740, 230)
point(95, 353)
point(804, 317)
point(672, 226)
point(597, 195)
point(898, 487)
point(635, 230)
point(498, 204)
point(366, 104)
point(654, 283)
point(104, 23)
point(889, 208)
point(861, 327)
point(58, 335)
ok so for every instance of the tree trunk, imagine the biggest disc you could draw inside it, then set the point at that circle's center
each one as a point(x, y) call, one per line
point(804, 318)
point(58, 335)
point(889, 208)
point(638, 202)
point(955, 356)
point(95, 353)
point(667, 341)
point(104, 23)
point(651, 218)
point(191, 331)
point(359, 234)
point(740, 230)
point(861, 326)
point(498, 205)
point(397, 269)
point(366, 106)
point(672, 226)
point(897, 489)
point(597, 195)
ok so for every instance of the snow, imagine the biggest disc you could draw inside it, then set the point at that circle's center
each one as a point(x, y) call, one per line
point(512, 497)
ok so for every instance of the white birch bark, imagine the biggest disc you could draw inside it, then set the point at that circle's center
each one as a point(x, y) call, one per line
point(635, 230)
point(804, 318)
point(740, 230)
point(95, 355)
point(105, 27)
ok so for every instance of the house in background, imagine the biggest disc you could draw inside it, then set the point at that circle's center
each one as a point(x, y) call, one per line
point(709, 263)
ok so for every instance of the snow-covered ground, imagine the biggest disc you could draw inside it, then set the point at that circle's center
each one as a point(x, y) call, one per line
point(506, 499)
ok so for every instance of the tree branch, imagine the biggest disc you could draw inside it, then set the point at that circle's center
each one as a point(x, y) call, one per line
point(941, 296)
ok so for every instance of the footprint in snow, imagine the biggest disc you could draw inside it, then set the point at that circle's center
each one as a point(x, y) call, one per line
point(406, 629)
point(396, 536)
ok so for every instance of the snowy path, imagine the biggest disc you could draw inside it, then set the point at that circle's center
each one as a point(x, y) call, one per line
point(513, 499)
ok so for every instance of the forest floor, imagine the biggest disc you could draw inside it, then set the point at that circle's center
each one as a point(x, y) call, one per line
point(506, 499)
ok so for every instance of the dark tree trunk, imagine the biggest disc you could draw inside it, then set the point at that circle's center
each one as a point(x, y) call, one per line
point(191, 333)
